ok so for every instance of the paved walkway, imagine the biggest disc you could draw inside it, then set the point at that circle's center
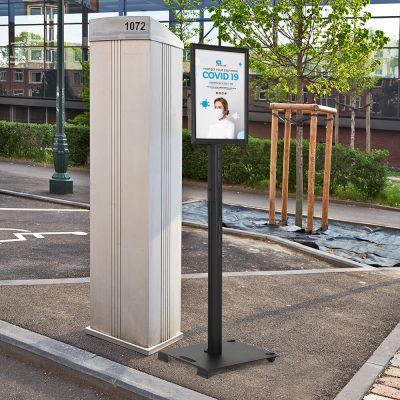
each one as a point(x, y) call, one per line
point(22, 177)
point(327, 303)
point(387, 386)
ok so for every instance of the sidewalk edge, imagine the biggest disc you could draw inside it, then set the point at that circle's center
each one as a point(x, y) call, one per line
point(45, 198)
point(364, 378)
point(99, 368)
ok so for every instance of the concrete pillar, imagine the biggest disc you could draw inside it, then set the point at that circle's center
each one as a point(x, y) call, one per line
point(136, 182)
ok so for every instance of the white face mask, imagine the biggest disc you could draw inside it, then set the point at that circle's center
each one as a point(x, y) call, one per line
point(219, 113)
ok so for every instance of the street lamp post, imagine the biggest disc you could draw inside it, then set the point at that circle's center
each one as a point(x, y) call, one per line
point(60, 182)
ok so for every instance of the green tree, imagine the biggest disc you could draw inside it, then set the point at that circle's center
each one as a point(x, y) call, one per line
point(298, 44)
point(184, 12)
point(84, 118)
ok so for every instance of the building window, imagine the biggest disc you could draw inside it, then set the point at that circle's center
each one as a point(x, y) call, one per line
point(327, 101)
point(345, 103)
point(50, 55)
point(77, 55)
point(262, 96)
point(18, 92)
point(77, 78)
point(36, 55)
point(49, 34)
point(3, 76)
point(50, 11)
point(35, 10)
point(18, 75)
point(36, 77)
point(34, 92)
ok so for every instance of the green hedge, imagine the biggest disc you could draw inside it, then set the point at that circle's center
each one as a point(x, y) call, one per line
point(243, 164)
point(249, 165)
point(35, 142)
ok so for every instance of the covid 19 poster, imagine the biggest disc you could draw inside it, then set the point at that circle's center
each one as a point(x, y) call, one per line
point(219, 81)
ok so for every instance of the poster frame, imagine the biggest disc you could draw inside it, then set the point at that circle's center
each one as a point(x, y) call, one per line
point(220, 49)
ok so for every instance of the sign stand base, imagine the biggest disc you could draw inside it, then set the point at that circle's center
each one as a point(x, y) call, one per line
point(233, 353)
point(216, 354)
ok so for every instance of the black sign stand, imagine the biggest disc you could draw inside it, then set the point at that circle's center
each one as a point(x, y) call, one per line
point(216, 354)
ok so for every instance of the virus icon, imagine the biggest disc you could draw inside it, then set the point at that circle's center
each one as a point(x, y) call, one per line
point(205, 103)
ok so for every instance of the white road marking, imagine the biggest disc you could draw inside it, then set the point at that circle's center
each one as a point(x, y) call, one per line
point(46, 209)
point(12, 229)
point(20, 237)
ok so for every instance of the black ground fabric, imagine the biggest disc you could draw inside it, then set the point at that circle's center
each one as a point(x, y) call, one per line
point(379, 247)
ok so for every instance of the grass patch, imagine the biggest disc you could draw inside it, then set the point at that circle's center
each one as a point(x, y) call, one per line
point(389, 196)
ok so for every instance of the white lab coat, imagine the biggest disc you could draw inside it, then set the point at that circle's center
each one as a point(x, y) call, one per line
point(222, 129)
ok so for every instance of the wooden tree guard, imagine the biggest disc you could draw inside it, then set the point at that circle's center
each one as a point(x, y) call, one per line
point(315, 110)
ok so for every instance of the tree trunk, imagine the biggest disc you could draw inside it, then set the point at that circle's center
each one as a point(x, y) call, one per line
point(189, 110)
point(337, 119)
point(353, 121)
point(368, 123)
point(299, 157)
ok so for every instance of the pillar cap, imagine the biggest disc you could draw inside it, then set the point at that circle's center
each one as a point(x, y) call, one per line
point(131, 28)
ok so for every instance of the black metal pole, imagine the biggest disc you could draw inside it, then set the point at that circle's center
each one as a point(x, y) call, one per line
point(60, 182)
point(214, 249)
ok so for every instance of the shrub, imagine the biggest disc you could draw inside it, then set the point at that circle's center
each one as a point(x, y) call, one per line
point(369, 171)
point(31, 141)
point(342, 165)
point(78, 143)
point(249, 165)
point(35, 141)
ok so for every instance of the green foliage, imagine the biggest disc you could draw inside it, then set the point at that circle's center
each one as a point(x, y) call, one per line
point(365, 172)
point(30, 141)
point(78, 143)
point(391, 194)
point(81, 119)
point(248, 165)
point(298, 43)
point(84, 118)
point(194, 158)
point(35, 142)
point(184, 13)
point(342, 165)
point(369, 171)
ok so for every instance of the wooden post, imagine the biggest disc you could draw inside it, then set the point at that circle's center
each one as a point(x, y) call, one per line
point(327, 172)
point(272, 169)
point(368, 123)
point(311, 172)
point(285, 176)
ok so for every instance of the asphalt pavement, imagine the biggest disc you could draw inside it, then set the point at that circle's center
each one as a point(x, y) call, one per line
point(324, 322)
point(22, 380)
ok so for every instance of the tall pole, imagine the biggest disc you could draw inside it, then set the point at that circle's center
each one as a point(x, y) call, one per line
point(214, 249)
point(60, 182)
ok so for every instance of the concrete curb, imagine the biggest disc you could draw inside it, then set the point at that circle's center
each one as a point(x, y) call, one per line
point(45, 198)
point(32, 282)
point(203, 275)
point(359, 385)
point(99, 368)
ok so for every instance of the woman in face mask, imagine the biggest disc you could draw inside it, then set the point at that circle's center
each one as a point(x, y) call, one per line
point(223, 128)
